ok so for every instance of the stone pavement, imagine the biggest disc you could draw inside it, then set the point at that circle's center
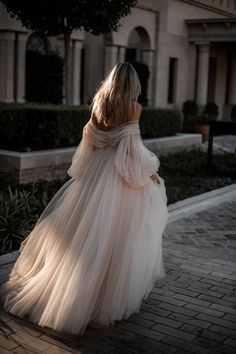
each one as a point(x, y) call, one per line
point(193, 310)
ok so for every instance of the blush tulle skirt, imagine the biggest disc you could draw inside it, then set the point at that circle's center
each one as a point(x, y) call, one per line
point(94, 254)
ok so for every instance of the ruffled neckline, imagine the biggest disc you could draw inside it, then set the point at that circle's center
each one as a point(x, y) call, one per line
point(118, 127)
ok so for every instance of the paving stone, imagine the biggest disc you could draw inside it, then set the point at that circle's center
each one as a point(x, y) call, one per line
point(222, 302)
point(189, 346)
point(30, 341)
point(215, 320)
point(56, 350)
point(177, 309)
point(24, 349)
point(205, 310)
point(143, 331)
point(180, 290)
point(230, 318)
point(169, 300)
point(223, 308)
point(141, 321)
point(191, 321)
point(5, 351)
point(222, 349)
point(156, 310)
point(222, 330)
point(162, 320)
point(193, 300)
point(205, 342)
point(172, 331)
point(230, 341)
point(7, 342)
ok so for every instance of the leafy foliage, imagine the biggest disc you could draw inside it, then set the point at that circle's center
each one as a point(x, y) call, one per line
point(20, 207)
point(64, 16)
point(37, 127)
point(54, 18)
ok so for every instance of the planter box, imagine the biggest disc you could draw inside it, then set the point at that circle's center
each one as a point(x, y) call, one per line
point(24, 167)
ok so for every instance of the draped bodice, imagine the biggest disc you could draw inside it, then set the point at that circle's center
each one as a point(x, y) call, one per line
point(132, 160)
point(102, 139)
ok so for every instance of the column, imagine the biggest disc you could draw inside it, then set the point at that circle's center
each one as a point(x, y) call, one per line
point(76, 71)
point(111, 56)
point(121, 53)
point(148, 56)
point(20, 67)
point(232, 83)
point(7, 66)
point(202, 75)
point(61, 50)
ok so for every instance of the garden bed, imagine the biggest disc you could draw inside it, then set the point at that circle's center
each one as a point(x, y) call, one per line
point(185, 175)
point(49, 165)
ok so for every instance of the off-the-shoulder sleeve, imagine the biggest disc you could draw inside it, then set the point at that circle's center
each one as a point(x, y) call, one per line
point(134, 162)
point(80, 159)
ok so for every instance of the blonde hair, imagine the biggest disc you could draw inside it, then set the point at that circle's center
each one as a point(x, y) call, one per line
point(114, 101)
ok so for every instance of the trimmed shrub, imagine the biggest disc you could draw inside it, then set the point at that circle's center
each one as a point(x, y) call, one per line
point(33, 127)
point(159, 122)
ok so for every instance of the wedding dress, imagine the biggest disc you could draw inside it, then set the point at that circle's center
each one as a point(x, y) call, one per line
point(96, 251)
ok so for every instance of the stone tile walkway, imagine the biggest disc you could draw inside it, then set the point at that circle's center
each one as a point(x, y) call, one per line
point(193, 310)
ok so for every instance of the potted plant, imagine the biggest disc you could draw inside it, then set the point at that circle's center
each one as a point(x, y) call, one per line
point(190, 110)
point(209, 113)
point(233, 114)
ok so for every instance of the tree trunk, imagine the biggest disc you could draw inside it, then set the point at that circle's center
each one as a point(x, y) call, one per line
point(67, 36)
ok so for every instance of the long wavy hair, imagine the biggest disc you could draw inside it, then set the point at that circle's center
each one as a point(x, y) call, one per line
point(114, 101)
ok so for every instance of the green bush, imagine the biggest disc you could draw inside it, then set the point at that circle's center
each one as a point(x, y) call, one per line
point(209, 113)
point(26, 127)
point(35, 127)
point(20, 207)
point(159, 122)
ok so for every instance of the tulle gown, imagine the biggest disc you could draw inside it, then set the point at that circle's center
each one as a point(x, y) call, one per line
point(96, 251)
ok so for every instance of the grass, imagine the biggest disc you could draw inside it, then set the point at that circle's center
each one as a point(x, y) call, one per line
point(185, 175)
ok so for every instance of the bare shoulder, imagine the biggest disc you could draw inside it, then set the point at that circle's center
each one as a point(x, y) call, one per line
point(137, 109)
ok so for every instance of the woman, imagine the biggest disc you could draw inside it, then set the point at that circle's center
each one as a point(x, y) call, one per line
point(96, 250)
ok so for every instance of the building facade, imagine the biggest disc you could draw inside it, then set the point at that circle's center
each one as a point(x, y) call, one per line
point(189, 47)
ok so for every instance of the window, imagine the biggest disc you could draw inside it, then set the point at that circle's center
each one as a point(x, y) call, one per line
point(173, 63)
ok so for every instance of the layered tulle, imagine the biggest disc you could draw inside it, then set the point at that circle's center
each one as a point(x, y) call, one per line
point(96, 250)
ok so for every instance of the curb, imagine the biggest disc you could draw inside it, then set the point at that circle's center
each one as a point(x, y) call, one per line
point(176, 210)
point(201, 202)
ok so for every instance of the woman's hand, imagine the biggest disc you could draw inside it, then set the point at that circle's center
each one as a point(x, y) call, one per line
point(155, 178)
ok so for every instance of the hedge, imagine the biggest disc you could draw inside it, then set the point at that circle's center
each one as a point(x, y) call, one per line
point(29, 127)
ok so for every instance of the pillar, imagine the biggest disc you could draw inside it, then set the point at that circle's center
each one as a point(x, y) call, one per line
point(20, 67)
point(7, 66)
point(148, 56)
point(111, 57)
point(232, 82)
point(121, 53)
point(202, 75)
point(76, 72)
